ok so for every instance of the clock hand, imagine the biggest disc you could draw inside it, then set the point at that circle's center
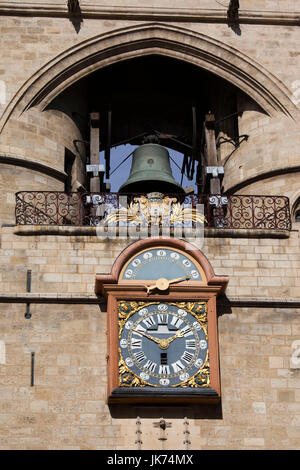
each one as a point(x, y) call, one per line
point(156, 340)
point(178, 334)
point(184, 278)
point(163, 284)
point(164, 342)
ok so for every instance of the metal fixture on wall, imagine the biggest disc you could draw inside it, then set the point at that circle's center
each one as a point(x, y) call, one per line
point(75, 14)
point(233, 10)
point(162, 425)
point(27, 313)
point(32, 369)
point(138, 432)
point(186, 433)
point(233, 16)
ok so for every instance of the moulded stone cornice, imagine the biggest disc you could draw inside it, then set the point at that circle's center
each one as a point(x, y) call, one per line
point(33, 165)
point(69, 230)
point(222, 301)
point(262, 176)
point(214, 15)
point(31, 297)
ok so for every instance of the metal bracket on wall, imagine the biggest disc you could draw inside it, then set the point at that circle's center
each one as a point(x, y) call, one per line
point(138, 432)
point(28, 313)
point(233, 16)
point(75, 14)
point(32, 369)
point(233, 10)
point(186, 433)
point(162, 425)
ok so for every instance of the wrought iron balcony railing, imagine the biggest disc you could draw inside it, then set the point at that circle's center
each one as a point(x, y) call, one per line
point(92, 209)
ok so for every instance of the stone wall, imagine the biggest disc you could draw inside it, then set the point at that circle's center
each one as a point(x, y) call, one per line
point(261, 267)
point(66, 408)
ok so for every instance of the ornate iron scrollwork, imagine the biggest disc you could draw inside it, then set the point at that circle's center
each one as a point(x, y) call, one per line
point(220, 212)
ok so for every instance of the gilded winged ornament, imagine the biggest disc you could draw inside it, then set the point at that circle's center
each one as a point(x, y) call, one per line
point(181, 215)
point(159, 211)
point(124, 214)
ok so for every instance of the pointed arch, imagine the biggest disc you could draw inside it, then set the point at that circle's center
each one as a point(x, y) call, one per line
point(145, 39)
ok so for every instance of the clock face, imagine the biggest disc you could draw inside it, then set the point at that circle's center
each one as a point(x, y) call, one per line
point(163, 344)
point(161, 262)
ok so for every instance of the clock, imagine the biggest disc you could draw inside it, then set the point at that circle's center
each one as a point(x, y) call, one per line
point(162, 324)
point(163, 344)
point(168, 263)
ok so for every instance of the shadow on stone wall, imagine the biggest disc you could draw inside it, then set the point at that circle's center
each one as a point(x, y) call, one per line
point(197, 411)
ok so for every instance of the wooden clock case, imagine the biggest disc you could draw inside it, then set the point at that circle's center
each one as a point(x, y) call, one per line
point(113, 288)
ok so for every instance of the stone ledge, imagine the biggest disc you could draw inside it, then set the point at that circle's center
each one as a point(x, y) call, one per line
point(24, 162)
point(33, 230)
point(50, 298)
point(64, 230)
point(245, 233)
point(214, 15)
point(222, 301)
point(271, 302)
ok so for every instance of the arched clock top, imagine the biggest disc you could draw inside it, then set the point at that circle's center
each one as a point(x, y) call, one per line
point(164, 262)
point(161, 258)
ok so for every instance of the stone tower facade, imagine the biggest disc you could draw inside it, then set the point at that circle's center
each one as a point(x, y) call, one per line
point(53, 371)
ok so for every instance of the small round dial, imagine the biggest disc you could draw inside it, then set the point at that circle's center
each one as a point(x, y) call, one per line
point(163, 344)
point(161, 262)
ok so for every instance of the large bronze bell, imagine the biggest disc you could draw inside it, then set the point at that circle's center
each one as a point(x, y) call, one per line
point(151, 172)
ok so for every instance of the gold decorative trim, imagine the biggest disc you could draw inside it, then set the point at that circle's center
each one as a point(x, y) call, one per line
point(127, 378)
point(200, 379)
point(125, 315)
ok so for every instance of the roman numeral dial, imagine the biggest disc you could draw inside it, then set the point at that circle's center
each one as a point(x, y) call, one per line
point(162, 344)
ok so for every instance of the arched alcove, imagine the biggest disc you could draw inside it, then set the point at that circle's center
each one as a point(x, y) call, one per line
point(215, 61)
point(148, 39)
point(156, 96)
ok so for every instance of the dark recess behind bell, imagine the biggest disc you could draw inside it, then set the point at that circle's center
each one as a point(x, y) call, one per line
point(152, 93)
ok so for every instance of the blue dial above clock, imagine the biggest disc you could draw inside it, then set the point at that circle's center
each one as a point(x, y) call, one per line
point(161, 262)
